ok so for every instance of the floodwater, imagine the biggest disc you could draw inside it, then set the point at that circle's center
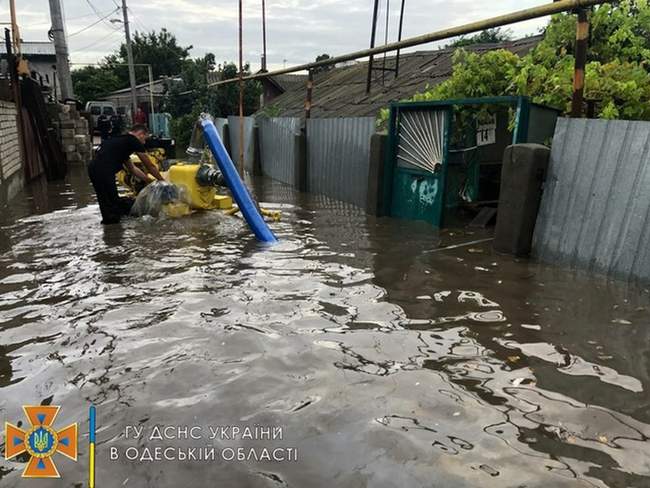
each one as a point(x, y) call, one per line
point(378, 362)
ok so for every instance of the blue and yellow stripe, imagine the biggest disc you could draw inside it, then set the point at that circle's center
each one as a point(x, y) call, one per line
point(91, 449)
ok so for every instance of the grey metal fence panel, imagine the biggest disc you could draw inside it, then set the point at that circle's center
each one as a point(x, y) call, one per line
point(338, 157)
point(249, 142)
point(595, 211)
point(220, 123)
point(278, 147)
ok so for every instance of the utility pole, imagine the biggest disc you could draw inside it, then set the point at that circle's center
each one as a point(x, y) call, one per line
point(264, 35)
point(582, 39)
point(129, 55)
point(14, 26)
point(61, 48)
point(241, 91)
point(373, 33)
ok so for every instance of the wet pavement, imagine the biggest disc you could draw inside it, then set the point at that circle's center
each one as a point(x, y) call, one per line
point(379, 359)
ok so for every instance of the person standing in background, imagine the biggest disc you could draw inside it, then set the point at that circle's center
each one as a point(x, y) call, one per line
point(140, 118)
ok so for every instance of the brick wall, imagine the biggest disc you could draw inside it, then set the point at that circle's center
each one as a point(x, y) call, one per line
point(11, 166)
point(9, 145)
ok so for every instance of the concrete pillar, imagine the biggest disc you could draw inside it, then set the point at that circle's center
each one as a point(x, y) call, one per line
point(522, 176)
point(375, 200)
point(300, 158)
point(257, 154)
point(226, 139)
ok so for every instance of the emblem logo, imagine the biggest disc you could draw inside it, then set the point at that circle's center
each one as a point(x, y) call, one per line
point(41, 441)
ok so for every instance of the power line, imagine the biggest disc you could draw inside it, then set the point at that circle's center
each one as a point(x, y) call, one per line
point(97, 12)
point(137, 19)
point(93, 24)
point(78, 17)
point(92, 44)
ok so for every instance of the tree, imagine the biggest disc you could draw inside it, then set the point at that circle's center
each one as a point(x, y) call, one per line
point(617, 74)
point(159, 49)
point(489, 36)
point(322, 69)
point(187, 100)
point(93, 83)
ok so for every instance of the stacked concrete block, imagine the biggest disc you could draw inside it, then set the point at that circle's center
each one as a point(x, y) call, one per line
point(74, 133)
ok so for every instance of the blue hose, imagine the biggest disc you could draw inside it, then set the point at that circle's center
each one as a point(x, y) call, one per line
point(239, 191)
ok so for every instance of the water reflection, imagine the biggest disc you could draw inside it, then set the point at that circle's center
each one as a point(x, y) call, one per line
point(385, 365)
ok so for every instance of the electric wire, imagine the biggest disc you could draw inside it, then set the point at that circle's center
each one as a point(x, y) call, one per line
point(93, 24)
point(97, 12)
point(94, 43)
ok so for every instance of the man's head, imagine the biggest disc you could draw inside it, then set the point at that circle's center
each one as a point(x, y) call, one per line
point(140, 131)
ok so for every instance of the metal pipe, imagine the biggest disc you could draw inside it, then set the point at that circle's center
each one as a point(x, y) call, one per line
point(264, 35)
point(383, 73)
point(582, 37)
point(399, 37)
point(372, 44)
point(491, 23)
point(152, 111)
point(310, 87)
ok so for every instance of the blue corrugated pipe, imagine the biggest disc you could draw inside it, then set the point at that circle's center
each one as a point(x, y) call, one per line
point(239, 191)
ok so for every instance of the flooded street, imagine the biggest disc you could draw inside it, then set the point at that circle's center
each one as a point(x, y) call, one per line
point(382, 360)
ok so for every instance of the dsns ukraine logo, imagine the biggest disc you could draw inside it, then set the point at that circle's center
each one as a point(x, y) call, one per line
point(41, 442)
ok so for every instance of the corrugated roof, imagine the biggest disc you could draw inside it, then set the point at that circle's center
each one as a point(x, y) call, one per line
point(341, 92)
point(290, 81)
point(33, 49)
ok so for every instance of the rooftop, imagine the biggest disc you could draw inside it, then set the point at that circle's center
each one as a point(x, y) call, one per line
point(36, 48)
point(341, 92)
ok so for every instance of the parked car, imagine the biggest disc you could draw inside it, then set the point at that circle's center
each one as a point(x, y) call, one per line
point(97, 108)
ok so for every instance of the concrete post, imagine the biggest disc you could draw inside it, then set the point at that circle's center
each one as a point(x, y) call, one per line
point(300, 157)
point(61, 48)
point(257, 154)
point(129, 55)
point(375, 200)
point(522, 175)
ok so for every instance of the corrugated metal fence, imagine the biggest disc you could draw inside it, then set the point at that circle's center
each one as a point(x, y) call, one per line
point(596, 203)
point(338, 155)
point(220, 123)
point(249, 142)
point(278, 148)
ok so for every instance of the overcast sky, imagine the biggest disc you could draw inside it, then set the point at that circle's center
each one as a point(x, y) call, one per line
point(297, 30)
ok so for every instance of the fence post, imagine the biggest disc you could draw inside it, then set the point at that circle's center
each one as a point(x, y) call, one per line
point(375, 199)
point(226, 139)
point(524, 171)
point(300, 157)
point(257, 155)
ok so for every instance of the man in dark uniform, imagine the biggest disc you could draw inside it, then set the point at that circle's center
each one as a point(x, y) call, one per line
point(113, 155)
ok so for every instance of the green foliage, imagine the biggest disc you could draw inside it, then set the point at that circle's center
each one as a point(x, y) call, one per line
point(272, 110)
point(323, 57)
point(617, 74)
point(93, 83)
point(187, 88)
point(185, 101)
point(159, 49)
point(489, 36)
point(181, 129)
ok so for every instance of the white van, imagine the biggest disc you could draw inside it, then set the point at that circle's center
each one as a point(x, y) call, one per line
point(95, 109)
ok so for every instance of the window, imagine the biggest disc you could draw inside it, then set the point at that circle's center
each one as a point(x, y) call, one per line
point(108, 111)
point(95, 110)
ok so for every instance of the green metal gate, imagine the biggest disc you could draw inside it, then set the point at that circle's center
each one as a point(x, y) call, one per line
point(421, 179)
point(421, 156)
